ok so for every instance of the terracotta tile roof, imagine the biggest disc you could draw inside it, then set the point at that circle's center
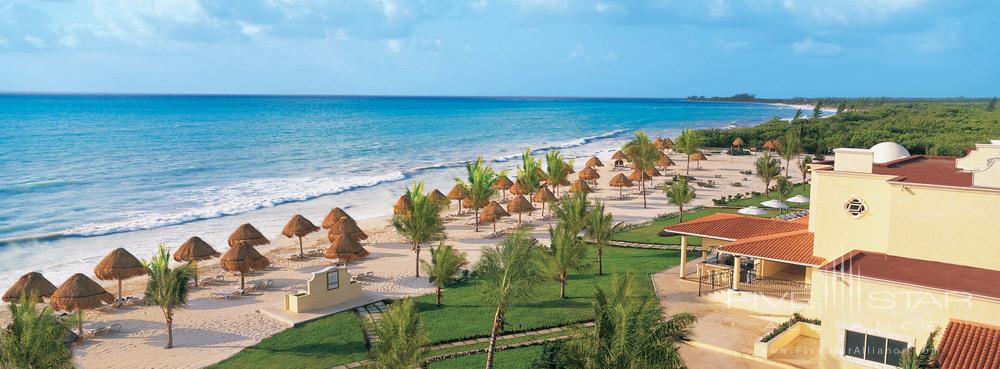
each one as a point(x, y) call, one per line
point(925, 273)
point(731, 227)
point(967, 345)
point(794, 247)
point(938, 170)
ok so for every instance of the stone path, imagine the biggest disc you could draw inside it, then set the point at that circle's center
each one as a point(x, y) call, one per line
point(655, 246)
point(371, 314)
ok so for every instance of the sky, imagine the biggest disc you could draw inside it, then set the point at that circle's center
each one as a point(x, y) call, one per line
point(598, 48)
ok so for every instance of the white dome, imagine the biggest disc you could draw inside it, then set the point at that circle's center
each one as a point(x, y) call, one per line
point(888, 151)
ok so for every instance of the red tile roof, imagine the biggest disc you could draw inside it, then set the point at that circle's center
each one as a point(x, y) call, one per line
point(925, 273)
point(937, 170)
point(731, 227)
point(967, 345)
point(794, 247)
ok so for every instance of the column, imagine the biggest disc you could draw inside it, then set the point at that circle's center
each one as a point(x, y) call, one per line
point(684, 251)
point(736, 273)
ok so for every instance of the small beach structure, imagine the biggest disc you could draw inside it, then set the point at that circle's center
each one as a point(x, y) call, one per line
point(299, 227)
point(658, 143)
point(403, 205)
point(344, 248)
point(77, 294)
point(620, 181)
point(439, 198)
point(492, 213)
point(519, 205)
point(328, 287)
point(242, 259)
point(503, 184)
point(31, 283)
point(594, 162)
point(772, 145)
point(246, 234)
point(698, 157)
point(334, 215)
point(349, 228)
point(652, 172)
point(619, 159)
point(195, 249)
point(543, 195)
point(458, 193)
point(738, 142)
point(636, 176)
point(668, 144)
point(580, 186)
point(663, 161)
point(119, 265)
point(516, 189)
point(588, 174)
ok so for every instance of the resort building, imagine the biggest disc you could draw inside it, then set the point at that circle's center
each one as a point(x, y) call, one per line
point(894, 247)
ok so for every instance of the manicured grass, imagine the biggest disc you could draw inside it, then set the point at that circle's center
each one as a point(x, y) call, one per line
point(324, 343)
point(519, 358)
point(799, 189)
point(465, 313)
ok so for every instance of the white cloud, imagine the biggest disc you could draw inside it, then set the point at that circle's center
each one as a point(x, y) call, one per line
point(34, 41)
point(394, 45)
point(69, 41)
point(810, 46)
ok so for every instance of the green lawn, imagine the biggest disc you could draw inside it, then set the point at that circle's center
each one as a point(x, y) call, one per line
point(323, 343)
point(799, 189)
point(519, 358)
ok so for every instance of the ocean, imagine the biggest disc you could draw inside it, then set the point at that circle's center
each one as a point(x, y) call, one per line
point(83, 174)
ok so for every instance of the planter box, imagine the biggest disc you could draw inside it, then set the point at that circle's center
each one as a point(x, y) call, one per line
point(767, 349)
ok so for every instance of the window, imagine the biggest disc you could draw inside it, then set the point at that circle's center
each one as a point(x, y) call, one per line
point(332, 280)
point(856, 207)
point(871, 348)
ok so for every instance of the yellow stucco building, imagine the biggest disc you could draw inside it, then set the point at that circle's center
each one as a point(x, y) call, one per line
point(894, 246)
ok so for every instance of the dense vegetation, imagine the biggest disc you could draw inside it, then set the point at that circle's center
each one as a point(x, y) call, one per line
point(935, 128)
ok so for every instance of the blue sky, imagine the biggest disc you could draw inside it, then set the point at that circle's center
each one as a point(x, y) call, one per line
point(655, 48)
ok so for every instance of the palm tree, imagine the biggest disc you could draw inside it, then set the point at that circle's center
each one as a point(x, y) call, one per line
point(798, 114)
point(509, 271)
point(422, 223)
point(783, 187)
point(768, 169)
point(33, 338)
point(528, 173)
point(555, 170)
point(167, 288)
point(680, 194)
point(402, 338)
point(600, 227)
point(643, 155)
point(804, 166)
point(479, 183)
point(571, 210)
point(567, 253)
point(689, 142)
point(630, 331)
point(444, 266)
point(789, 149)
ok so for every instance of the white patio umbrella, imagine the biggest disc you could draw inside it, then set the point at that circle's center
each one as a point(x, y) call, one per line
point(775, 204)
point(798, 199)
point(752, 210)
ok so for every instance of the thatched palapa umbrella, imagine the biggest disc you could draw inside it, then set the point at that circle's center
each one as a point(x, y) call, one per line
point(668, 144)
point(77, 294)
point(588, 174)
point(334, 216)
point(516, 189)
point(439, 198)
point(30, 284)
point(619, 155)
point(519, 205)
point(195, 249)
point(652, 172)
point(246, 234)
point(664, 161)
point(698, 157)
point(503, 184)
point(349, 228)
point(458, 193)
point(403, 205)
point(344, 248)
point(620, 181)
point(299, 227)
point(543, 195)
point(119, 265)
point(580, 186)
point(492, 213)
point(243, 258)
point(658, 143)
point(594, 162)
point(738, 142)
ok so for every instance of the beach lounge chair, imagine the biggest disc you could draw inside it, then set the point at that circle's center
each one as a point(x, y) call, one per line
point(104, 330)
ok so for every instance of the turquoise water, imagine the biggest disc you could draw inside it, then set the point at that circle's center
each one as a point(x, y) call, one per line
point(77, 170)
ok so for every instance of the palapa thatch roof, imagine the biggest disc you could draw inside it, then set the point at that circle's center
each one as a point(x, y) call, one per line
point(246, 234)
point(738, 142)
point(298, 226)
point(698, 156)
point(347, 227)
point(243, 258)
point(334, 216)
point(79, 292)
point(543, 195)
point(458, 192)
point(594, 162)
point(619, 155)
point(30, 283)
point(437, 197)
point(516, 188)
point(652, 172)
point(403, 205)
point(664, 161)
point(467, 203)
point(569, 168)
point(588, 174)
point(345, 248)
point(773, 145)
point(492, 212)
point(635, 176)
point(580, 186)
point(520, 204)
point(502, 183)
point(668, 143)
point(195, 249)
point(118, 265)
point(620, 180)
point(658, 143)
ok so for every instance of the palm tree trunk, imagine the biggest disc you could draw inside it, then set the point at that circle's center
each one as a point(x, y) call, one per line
point(416, 247)
point(477, 216)
point(170, 327)
point(600, 260)
point(562, 284)
point(680, 213)
point(688, 171)
point(438, 297)
point(642, 187)
point(302, 254)
point(494, 332)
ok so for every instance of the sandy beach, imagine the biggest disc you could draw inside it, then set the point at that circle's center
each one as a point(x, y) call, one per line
point(210, 330)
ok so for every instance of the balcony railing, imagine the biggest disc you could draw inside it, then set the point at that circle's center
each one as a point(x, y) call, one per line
point(793, 290)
